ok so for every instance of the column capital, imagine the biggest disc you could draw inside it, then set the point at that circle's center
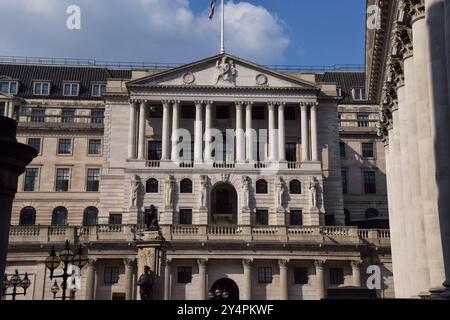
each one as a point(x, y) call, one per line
point(199, 103)
point(281, 103)
point(202, 262)
point(166, 102)
point(271, 105)
point(168, 261)
point(319, 263)
point(247, 263)
point(91, 263)
point(248, 103)
point(283, 263)
point(239, 104)
point(209, 103)
point(129, 262)
point(356, 264)
point(175, 102)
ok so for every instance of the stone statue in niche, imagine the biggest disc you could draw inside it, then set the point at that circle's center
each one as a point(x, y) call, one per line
point(145, 284)
point(204, 192)
point(225, 71)
point(313, 192)
point(169, 191)
point(136, 183)
point(280, 192)
point(246, 192)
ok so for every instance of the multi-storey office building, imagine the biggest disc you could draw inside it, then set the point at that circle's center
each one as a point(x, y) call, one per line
point(261, 206)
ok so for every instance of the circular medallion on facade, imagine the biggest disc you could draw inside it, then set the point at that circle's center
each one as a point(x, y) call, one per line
point(188, 78)
point(261, 80)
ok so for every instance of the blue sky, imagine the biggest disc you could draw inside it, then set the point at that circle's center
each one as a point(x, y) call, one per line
point(295, 32)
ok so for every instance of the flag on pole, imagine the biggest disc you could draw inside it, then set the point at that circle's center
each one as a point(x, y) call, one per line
point(213, 8)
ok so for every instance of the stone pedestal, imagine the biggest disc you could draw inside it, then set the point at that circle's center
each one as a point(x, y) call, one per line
point(14, 157)
point(246, 217)
point(203, 216)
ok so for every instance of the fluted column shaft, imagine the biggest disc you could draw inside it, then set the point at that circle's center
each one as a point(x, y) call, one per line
point(165, 152)
point(132, 131)
point(90, 280)
point(202, 279)
point(314, 134)
point(240, 145)
point(284, 287)
point(175, 127)
point(305, 135)
point(208, 127)
point(272, 134)
point(198, 143)
point(247, 295)
point(281, 133)
point(141, 144)
point(249, 133)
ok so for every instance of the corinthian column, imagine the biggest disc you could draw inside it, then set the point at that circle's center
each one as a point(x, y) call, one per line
point(247, 263)
point(208, 127)
point(165, 152)
point(167, 277)
point(240, 144)
point(175, 127)
point(90, 280)
point(356, 273)
point(281, 133)
point(305, 135)
point(141, 145)
point(132, 131)
point(284, 282)
point(249, 133)
point(129, 270)
point(314, 134)
point(272, 134)
point(320, 281)
point(198, 143)
point(202, 278)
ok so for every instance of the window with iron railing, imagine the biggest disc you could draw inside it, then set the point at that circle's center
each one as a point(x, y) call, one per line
point(67, 116)
point(363, 120)
point(97, 116)
point(37, 115)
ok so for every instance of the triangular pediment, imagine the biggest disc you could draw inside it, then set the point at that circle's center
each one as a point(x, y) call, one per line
point(223, 70)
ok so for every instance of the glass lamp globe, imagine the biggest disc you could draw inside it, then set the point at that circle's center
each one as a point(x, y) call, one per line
point(55, 288)
point(218, 293)
point(80, 259)
point(26, 283)
point(52, 261)
point(66, 254)
point(211, 295)
point(6, 283)
point(225, 295)
point(15, 279)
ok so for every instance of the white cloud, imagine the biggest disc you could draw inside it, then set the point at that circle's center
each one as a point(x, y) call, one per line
point(139, 30)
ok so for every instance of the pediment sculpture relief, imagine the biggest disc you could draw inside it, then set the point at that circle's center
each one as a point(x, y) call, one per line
point(226, 72)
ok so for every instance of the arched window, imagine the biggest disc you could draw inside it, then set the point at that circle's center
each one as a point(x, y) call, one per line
point(295, 187)
point(186, 186)
point(28, 216)
point(348, 220)
point(152, 186)
point(372, 213)
point(59, 216)
point(261, 187)
point(90, 217)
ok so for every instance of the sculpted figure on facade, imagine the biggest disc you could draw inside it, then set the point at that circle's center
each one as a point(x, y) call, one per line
point(204, 192)
point(169, 191)
point(136, 183)
point(313, 192)
point(225, 71)
point(280, 192)
point(246, 192)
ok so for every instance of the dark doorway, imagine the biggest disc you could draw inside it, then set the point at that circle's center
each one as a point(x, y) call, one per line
point(224, 289)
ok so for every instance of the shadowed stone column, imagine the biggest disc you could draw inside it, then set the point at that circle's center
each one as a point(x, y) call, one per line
point(202, 278)
point(90, 280)
point(320, 280)
point(208, 127)
point(314, 134)
point(356, 272)
point(175, 127)
point(132, 131)
point(167, 278)
point(247, 294)
point(240, 144)
point(305, 135)
point(129, 271)
point(198, 143)
point(249, 133)
point(165, 152)
point(141, 144)
point(14, 157)
point(284, 282)
point(272, 134)
point(281, 133)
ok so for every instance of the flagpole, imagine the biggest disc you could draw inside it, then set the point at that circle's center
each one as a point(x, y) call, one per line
point(222, 47)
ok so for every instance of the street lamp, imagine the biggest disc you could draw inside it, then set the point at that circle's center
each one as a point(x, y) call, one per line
point(66, 256)
point(218, 295)
point(16, 282)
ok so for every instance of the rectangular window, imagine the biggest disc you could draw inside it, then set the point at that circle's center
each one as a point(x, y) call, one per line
point(41, 88)
point(62, 179)
point(31, 179)
point(291, 152)
point(71, 89)
point(343, 150)
point(186, 216)
point(336, 276)
point(222, 112)
point(111, 275)
point(296, 218)
point(301, 276)
point(363, 120)
point(258, 113)
point(37, 115)
point(93, 180)
point(187, 112)
point(95, 147)
point(344, 181)
point(359, 94)
point(265, 275)
point(289, 113)
point(2, 109)
point(68, 116)
point(154, 150)
point(35, 143)
point(97, 116)
point(262, 217)
point(367, 150)
point(64, 146)
point(115, 219)
point(98, 90)
point(8, 87)
point(370, 185)
point(184, 274)
point(155, 112)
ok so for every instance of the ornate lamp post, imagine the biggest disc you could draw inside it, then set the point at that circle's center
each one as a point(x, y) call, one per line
point(218, 295)
point(67, 257)
point(15, 282)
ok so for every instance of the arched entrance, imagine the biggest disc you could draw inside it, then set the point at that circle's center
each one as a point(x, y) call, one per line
point(224, 289)
point(224, 204)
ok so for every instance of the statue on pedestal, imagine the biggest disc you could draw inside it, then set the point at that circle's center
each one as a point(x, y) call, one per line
point(145, 284)
point(246, 192)
point(204, 192)
point(169, 192)
point(135, 190)
point(313, 193)
point(280, 192)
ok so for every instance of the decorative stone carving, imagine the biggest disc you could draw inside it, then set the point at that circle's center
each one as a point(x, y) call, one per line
point(313, 193)
point(136, 184)
point(262, 80)
point(225, 71)
point(225, 177)
point(188, 78)
point(246, 192)
point(204, 192)
point(169, 191)
point(281, 187)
